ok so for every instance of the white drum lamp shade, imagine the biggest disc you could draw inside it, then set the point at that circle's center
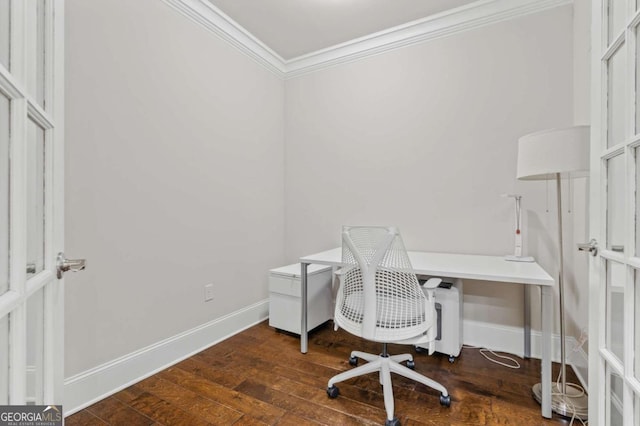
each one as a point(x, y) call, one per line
point(543, 154)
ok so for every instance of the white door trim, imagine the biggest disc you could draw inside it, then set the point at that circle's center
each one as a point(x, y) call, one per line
point(17, 83)
point(605, 362)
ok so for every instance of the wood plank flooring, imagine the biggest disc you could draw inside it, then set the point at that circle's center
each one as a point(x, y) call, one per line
point(259, 377)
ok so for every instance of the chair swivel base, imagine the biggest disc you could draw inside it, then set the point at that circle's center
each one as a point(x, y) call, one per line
point(384, 365)
point(333, 392)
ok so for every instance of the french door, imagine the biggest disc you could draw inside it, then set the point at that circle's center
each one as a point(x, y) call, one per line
point(31, 201)
point(614, 275)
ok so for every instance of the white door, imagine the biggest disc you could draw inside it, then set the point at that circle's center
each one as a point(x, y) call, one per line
point(31, 201)
point(614, 276)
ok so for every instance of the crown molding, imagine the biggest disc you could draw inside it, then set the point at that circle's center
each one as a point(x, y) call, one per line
point(213, 19)
point(474, 15)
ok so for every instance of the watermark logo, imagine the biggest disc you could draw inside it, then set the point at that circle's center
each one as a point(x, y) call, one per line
point(31, 415)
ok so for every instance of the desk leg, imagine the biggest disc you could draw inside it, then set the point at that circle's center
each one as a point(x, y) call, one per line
point(527, 322)
point(304, 337)
point(547, 315)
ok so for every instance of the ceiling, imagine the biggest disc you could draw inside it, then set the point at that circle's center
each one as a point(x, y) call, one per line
point(293, 28)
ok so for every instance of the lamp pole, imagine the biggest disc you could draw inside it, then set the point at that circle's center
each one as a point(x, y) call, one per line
point(563, 366)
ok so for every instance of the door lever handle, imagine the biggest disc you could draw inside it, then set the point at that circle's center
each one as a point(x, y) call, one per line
point(591, 247)
point(74, 265)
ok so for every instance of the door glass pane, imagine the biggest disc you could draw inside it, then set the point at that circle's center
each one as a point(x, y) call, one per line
point(617, 17)
point(5, 28)
point(35, 50)
point(35, 198)
point(615, 399)
point(4, 194)
point(35, 347)
point(615, 308)
point(637, 195)
point(4, 360)
point(636, 325)
point(615, 204)
point(616, 97)
point(638, 79)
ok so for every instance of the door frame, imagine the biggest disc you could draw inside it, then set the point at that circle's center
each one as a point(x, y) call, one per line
point(602, 358)
point(24, 107)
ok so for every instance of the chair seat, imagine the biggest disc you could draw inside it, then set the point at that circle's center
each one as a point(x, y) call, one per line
point(398, 320)
point(391, 311)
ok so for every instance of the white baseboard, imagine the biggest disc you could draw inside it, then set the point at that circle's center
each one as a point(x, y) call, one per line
point(511, 340)
point(92, 385)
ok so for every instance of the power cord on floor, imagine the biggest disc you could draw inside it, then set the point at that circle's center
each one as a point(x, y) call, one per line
point(516, 365)
point(484, 351)
point(581, 392)
point(567, 401)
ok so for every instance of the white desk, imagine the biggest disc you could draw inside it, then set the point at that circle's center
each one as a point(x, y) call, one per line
point(473, 267)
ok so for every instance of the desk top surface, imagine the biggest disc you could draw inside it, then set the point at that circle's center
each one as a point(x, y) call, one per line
point(469, 266)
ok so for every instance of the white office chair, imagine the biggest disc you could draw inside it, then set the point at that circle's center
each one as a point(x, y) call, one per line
point(380, 299)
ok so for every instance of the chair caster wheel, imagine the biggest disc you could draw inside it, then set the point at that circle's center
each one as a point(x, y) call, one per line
point(353, 361)
point(394, 422)
point(411, 365)
point(333, 392)
point(445, 400)
point(452, 358)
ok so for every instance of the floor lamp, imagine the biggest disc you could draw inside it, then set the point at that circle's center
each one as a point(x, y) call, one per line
point(552, 155)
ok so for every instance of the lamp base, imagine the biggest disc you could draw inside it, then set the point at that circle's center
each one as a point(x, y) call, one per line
point(575, 402)
point(513, 258)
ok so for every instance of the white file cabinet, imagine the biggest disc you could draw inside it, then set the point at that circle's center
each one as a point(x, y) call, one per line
point(284, 297)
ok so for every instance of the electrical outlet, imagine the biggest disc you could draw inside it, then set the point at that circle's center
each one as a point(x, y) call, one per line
point(208, 292)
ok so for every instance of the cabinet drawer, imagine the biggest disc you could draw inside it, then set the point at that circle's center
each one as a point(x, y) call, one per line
point(284, 285)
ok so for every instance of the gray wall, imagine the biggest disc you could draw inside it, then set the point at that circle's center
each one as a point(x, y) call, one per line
point(425, 138)
point(174, 177)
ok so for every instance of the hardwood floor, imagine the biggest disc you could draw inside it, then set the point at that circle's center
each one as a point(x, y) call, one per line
point(260, 377)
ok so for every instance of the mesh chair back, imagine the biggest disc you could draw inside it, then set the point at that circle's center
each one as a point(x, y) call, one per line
point(380, 298)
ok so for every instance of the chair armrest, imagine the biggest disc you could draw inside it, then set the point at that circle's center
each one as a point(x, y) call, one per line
point(432, 283)
point(339, 272)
